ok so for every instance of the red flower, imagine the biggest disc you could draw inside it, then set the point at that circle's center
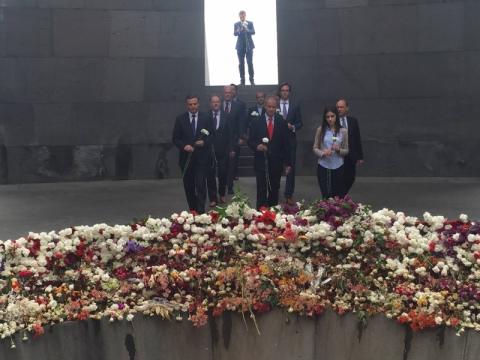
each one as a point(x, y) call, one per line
point(25, 273)
point(261, 307)
point(38, 329)
point(267, 217)
point(214, 215)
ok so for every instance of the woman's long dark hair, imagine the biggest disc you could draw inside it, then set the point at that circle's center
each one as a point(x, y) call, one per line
point(325, 125)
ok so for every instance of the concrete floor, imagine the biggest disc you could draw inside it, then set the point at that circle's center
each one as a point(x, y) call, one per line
point(54, 206)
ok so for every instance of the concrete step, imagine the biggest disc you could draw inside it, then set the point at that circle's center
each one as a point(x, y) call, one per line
point(247, 93)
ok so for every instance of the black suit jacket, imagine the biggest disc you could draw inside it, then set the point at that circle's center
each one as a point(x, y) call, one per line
point(251, 118)
point(237, 115)
point(294, 117)
point(244, 38)
point(355, 151)
point(183, 135)
point(278, 146)
point(224, 137)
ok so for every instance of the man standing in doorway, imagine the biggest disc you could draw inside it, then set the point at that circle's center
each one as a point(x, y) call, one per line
point(291, 114)
point(244, 30)
point(355, 151)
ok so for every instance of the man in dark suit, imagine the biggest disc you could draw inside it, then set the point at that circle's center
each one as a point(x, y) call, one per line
point(191, 135)
point(256, 111)
point(269, 140)
point(355, 151)
point(244, 30)
point(223, 141)
point(291, 114)
point(236, 112)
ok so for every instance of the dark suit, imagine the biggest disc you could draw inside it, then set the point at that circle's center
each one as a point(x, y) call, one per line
point(194, 179)
point(237, 119)
point(355, 152)
point(251, 118)
point(294, 117)
point(244, 48)
point(223, 139)
point(278, 156)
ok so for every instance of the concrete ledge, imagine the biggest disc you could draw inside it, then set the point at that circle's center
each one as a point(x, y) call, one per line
point(283, 336)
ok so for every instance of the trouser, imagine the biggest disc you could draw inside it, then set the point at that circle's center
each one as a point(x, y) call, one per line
point(290, 182)
point(268, 196)
point(242, 54)
point(220, 171)
point(350, 169)
point(194, 184)
point(330, 182)
point(232, 168)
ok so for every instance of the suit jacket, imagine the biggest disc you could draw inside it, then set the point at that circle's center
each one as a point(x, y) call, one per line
point(244, 38)
point(237, 117)
point(278, 146)
point(183, 135)
point(294, 117)
point(223, 137)
point(251, 118)
point(354, 140)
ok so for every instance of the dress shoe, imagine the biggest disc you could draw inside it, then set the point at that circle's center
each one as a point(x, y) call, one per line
point(230, 191)
point(235, 178)
point(222, 200)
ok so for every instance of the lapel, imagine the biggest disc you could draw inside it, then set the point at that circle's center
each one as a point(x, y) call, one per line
point(276, 125)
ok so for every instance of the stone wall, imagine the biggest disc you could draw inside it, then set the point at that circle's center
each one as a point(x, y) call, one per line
point(89, 89)
point(282, 336)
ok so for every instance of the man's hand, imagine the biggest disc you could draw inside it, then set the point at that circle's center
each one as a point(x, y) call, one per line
point(287, 170)
point(232, 154)
point(199, 143)
point(360, 162)
point(241, 141)
point(262, 147)
point(290, 126)
point(188, 148)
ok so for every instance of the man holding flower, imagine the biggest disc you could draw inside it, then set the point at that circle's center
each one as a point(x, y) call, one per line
point(269, 141)
point(191, 135)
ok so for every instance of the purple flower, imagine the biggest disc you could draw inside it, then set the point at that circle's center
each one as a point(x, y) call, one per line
point(133, 247)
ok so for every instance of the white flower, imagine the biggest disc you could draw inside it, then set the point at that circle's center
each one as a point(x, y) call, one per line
point(254, 113)
point(205, 132)
point(464, 218)
point(265, 140)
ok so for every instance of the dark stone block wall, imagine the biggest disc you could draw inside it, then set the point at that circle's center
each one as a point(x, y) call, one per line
point(89, 89)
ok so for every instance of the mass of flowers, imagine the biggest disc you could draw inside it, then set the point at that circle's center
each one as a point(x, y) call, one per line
point(335, 254)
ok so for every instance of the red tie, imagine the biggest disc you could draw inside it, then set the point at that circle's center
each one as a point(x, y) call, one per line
point(270, 127)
